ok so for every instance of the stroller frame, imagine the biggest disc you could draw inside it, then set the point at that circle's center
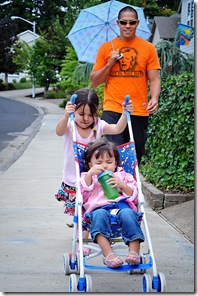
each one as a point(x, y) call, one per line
point(76, 263)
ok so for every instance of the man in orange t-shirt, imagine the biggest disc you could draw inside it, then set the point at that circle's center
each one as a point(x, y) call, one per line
point(126, 64)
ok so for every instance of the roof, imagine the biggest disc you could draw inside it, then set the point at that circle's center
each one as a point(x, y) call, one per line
point(28, 36)
point(167, 26)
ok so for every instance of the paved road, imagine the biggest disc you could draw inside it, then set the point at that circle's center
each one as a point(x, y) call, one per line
point(34, 234)
point(15, 117)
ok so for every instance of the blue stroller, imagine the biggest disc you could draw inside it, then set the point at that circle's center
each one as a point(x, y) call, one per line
point(75, 263)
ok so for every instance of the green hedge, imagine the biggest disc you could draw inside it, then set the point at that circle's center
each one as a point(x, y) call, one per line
point(169, 159)
point(8, 86)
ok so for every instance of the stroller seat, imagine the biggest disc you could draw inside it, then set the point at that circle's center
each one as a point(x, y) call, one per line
point(128, 161)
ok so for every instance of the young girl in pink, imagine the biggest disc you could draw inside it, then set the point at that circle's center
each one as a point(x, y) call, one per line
point(88, 128)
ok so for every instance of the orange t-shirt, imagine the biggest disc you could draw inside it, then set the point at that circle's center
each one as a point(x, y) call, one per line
point(128, 76)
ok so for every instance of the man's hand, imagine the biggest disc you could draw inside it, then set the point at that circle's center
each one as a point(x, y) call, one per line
point(152, 106)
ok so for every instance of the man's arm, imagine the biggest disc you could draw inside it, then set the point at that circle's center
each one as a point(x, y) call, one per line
point(155, 88)
point(99, 76)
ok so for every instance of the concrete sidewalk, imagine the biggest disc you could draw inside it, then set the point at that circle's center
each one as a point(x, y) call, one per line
point(34, 234)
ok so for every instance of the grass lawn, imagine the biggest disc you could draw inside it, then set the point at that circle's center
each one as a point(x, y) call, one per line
point(24, 85)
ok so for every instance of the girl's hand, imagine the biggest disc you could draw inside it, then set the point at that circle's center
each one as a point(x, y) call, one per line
point(129, 107)
point(115, 182)
point(96, 170)
point(70, 108)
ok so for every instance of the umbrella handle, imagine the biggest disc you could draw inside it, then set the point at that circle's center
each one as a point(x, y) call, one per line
point(120, 56)
point(72, 100)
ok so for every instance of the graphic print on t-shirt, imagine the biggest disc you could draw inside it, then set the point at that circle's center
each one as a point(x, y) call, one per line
point(128, 65)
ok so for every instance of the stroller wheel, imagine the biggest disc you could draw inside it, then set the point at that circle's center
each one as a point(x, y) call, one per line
point(88, 283)
point(73, 283)
point(66, 262)
point(162, 282)
point(147, 283)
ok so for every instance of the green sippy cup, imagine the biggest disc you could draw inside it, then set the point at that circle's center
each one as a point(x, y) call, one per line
point(111, 193)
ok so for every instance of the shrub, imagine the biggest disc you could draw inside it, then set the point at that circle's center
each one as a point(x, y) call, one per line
point(53, 94)
point(169, 159)
point(9, 86)
point(2, 86)
point(100, 92)
point(23, 80)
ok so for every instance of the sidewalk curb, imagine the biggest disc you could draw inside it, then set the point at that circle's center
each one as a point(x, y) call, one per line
point(158, 200)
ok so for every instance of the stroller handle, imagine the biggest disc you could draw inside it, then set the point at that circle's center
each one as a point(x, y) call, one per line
point(72, 100)
point(126, 100)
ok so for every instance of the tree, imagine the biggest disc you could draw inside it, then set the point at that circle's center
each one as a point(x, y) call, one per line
point(43, 60)
point(22, 54)
point(55, 36)
point(68, 67)
point(43, 12)
point(7, 40)
point(42, 66)
point(169, 4)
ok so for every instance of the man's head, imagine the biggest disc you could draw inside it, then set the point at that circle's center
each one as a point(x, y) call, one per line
point(127, 9)
point(127, 22)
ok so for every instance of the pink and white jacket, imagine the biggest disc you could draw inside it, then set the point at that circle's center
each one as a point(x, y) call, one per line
point(94, 197)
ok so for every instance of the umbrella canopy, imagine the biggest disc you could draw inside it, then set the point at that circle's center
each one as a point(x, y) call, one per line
point(97, 24)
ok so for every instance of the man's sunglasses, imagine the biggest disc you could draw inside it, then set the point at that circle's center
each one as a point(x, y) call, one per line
point(131, 23)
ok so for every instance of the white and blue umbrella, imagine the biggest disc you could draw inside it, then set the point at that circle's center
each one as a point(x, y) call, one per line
point(97, 24)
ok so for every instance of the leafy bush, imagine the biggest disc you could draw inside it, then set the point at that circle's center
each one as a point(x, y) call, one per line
point(68, 68)
point(100, 92)
point(8, 86)
point(53, 94)
point(23, 80)
point(169, 159)
point(2, 86)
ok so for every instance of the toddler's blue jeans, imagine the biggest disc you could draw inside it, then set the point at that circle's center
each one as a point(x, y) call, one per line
point(126, 217)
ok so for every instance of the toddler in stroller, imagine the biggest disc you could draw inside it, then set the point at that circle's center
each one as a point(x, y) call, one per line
point(101, 156)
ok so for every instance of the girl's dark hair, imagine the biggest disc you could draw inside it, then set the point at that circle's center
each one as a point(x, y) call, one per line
point(100, 146)
point(127, 8)
point(87, 96)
